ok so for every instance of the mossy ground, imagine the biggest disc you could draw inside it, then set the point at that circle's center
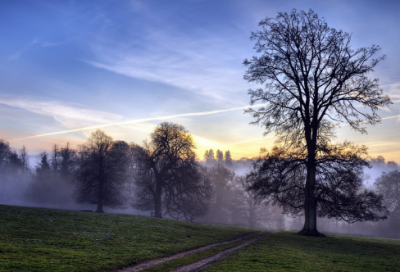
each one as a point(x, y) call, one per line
point(287, 251)
point(34, 239)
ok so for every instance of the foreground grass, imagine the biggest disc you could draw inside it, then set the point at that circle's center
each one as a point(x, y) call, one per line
point(35, 239)
point(286, 251)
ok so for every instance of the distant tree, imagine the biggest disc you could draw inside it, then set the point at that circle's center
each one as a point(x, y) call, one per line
point(379, 163)
point(228, 159)
point(69, 162)
point(12, 163)
point(281, 177)
point(5, 152)
point(55, 159)
point(313, 79)
point(167, 175)
point(249, 205)
point(388, 184)
point(41, 189)
point(23, 154)
point(102, 172)
point(221, 204)
point(50, 185)
point(14, 174)
point(43, 168)
point(206, 155)
point(220, 156)
point(209, 157)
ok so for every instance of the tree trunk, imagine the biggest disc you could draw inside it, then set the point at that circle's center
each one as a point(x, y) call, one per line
point(99, 208)
point(158, 201)
point(310, 204)
point(100, 199)
point(252, 219)
point(101, 183)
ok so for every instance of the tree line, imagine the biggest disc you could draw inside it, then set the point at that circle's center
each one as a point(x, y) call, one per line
point(162, 176)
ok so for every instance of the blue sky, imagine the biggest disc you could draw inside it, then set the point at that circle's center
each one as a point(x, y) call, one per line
point(67, 65)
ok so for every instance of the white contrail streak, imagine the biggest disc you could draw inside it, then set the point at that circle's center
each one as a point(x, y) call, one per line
point(140, 121)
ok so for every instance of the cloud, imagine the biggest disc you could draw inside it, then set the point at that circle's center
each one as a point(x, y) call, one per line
point(82, 113)
point(68, 115)
point(35, 42)
point(202, 62)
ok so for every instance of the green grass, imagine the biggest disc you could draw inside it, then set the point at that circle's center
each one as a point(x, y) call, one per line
point(33, 239)
point(287, 251)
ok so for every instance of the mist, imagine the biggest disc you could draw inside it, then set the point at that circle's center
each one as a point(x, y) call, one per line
point(51, 183)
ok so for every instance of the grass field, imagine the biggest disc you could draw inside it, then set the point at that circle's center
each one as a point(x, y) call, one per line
point(33, 239)
point(287, 251)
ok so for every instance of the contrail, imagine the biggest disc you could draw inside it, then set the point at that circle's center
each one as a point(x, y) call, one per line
point(141, 121)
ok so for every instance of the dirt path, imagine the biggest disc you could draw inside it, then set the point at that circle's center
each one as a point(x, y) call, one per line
point(196, 266)
point(154, 262)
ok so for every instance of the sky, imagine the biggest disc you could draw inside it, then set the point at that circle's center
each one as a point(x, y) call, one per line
point(70, 67)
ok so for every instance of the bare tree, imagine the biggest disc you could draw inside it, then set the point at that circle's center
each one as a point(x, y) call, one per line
point(102, 172)
point(167, 174)
point(313, 81)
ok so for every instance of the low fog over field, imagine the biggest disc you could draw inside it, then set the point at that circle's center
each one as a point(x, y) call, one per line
point(221, 189)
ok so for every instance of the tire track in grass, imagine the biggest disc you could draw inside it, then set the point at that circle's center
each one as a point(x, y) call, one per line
point(150, 263)
point(197, 266)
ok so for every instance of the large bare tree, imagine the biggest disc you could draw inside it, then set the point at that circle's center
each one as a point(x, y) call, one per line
point(313, 80)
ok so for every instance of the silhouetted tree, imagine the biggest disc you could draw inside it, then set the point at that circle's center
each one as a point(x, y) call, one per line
point(47, 187)
point(12, 164)
point(209, 157)
point(281, 177)
point(228, 159)
point(313, 79)
point(43, 168)
point(69, 162)
point(167, 175)
point(14, 173)
point(220, 156)
point(102, 172)
point(23, 154)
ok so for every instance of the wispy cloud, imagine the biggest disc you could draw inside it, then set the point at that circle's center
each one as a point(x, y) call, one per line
point(137, 121)
point(29, 46)
point(69, 115)
point(202, 62)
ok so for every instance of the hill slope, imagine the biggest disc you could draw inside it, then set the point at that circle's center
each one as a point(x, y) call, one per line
point(35, 239)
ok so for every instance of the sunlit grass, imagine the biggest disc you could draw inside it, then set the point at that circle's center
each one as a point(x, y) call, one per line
point(35, 239)
point(287, 251)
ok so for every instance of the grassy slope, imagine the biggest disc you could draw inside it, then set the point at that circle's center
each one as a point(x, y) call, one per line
point(286, 251)
point(54, 240)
